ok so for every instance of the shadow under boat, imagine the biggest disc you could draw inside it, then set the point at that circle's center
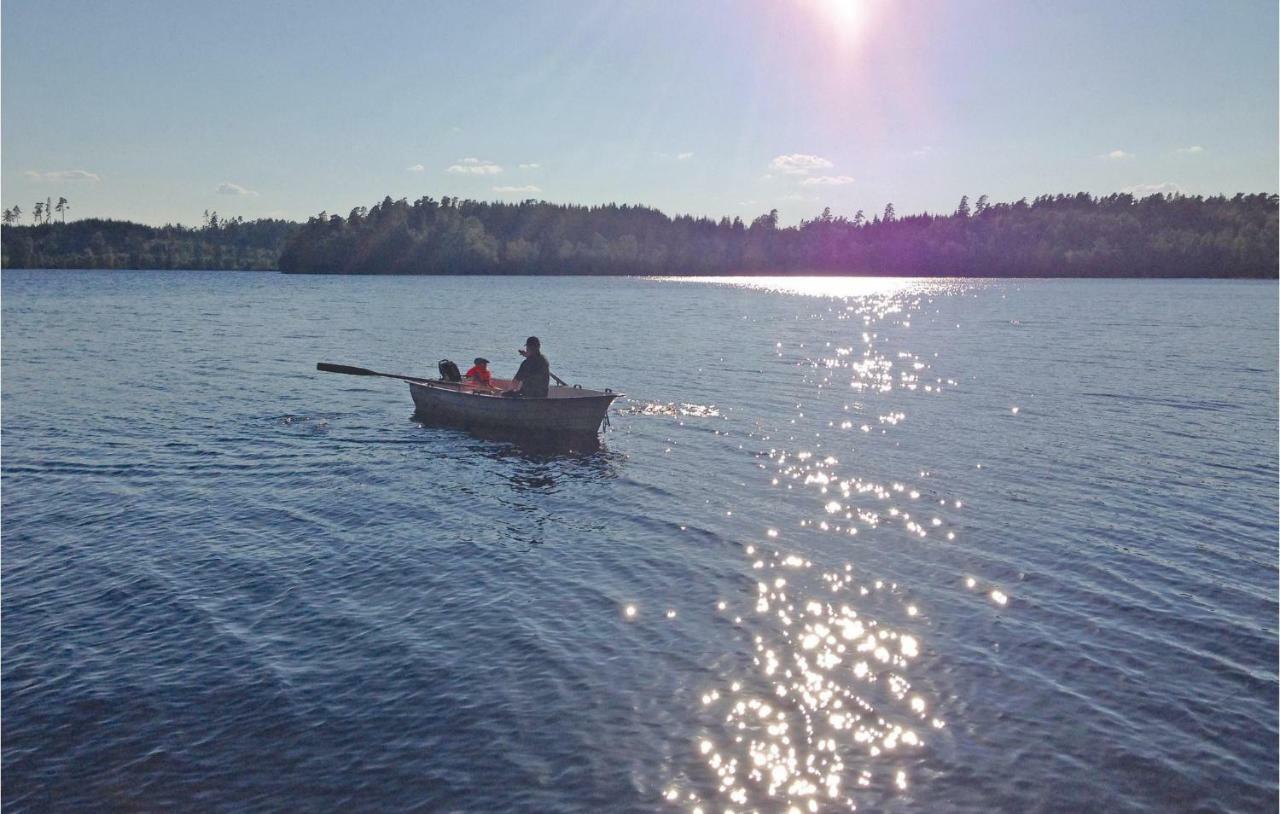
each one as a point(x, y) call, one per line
point(530, 444)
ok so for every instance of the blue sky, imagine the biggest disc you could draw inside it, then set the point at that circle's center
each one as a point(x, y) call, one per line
point(157, 111)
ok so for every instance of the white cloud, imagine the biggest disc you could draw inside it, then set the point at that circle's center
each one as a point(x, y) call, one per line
point(799, 164)
point(528, 189)
point(1143, 190)
point(63, 175)
point(416, 168)
point(474, 166)
point(683, 156)
point(922, 152)
point(795, 196)
point(1194, 149)
point(533, 166)
point(1116, 155)
point(228, 188)
point(827, 181)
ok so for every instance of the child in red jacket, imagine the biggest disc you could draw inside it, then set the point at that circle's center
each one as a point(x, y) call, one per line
point(479, 374)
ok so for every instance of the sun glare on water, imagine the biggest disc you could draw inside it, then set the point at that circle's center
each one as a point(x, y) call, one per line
point(830, 286)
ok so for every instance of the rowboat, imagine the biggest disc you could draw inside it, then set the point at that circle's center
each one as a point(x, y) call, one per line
point(565, 412)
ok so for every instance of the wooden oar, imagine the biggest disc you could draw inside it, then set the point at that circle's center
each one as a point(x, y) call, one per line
point(329, 367)
point(363, 371)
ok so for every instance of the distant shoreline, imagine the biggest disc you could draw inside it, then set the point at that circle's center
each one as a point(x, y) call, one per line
point(1053, 236)
point(729, 275)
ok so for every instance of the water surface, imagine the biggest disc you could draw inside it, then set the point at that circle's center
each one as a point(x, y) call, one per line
point(893, 545)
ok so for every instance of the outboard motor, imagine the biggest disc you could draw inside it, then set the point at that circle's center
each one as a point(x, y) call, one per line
point(449, 371)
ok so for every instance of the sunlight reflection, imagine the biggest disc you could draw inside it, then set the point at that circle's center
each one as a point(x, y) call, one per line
point(828, 714)
point(830, 695)
point(671, 409)
point(829, 286)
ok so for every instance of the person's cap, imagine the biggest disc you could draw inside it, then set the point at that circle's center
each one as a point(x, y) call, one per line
point(480, 360)
point(533, 342)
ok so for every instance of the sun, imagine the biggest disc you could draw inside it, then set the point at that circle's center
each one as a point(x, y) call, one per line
point(847, 20)
point(844, 13)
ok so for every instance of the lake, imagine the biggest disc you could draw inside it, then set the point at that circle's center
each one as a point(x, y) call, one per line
point(892, 545)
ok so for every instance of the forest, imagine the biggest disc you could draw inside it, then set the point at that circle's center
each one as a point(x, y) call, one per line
point(233, 244)
point(1076, 235)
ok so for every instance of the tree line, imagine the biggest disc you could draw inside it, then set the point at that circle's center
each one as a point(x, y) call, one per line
point(1052, 235)
point(231, 244)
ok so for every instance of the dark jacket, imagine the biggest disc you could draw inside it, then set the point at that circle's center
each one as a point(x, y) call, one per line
point(535, 373)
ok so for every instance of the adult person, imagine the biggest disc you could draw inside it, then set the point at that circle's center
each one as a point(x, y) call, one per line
point(534, 376)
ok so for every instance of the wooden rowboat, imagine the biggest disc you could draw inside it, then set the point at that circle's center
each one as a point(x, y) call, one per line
point(569, 414)
point(566, 411)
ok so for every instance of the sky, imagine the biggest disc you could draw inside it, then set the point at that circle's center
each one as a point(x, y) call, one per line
point(159, 111)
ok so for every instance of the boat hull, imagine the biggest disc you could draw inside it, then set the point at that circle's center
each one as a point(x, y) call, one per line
point(567, 412)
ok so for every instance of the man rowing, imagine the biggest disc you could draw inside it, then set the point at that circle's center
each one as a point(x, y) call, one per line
point(534, 376)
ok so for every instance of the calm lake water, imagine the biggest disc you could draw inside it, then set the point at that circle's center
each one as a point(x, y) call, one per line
point(904, 545)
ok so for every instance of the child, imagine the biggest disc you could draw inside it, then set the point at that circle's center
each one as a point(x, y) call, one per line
point(480, 374)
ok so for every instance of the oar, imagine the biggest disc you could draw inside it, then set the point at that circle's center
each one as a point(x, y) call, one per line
point(362, 371)
point(329, 367)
